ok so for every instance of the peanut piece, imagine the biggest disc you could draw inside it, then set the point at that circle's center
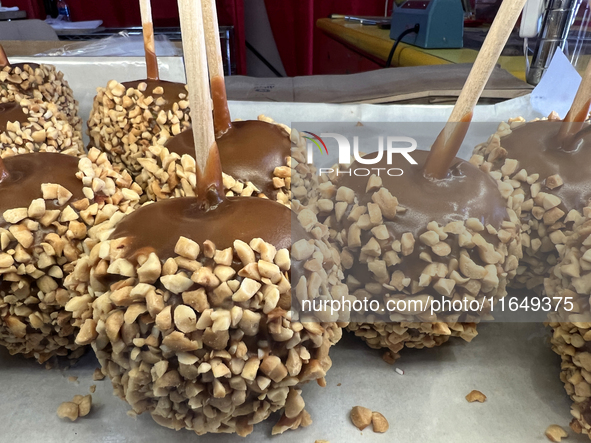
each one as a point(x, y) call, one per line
point(555, 433)
point(476, 396)
point(361, 417)
point(379, 422)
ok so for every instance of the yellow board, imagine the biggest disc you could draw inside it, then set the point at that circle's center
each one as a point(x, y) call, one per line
point(377, 43)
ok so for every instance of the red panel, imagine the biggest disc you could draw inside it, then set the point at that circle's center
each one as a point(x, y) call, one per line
point(331, 57)
point(294, 27)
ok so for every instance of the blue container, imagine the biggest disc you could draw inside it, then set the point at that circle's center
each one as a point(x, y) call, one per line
point(441, 23)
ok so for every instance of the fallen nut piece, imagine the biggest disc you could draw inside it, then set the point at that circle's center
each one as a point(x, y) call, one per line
point(361, 417)
point(98, 375)
point(72, 379)
point(555, 433)
point(321, 441)
point(379, 422)
point(84, 404)
point(476, 396)
point(69, 410)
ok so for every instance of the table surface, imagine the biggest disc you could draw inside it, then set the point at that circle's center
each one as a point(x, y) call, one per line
point(511, 363)
point(376, 42)
point(13, 15)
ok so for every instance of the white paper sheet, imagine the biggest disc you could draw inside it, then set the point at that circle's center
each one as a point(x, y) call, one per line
point(558, 87)
point(511, 363)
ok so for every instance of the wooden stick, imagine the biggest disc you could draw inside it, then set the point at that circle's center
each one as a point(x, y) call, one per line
point(209, 170)
point(451, 137)
point(212, 38)
point(3, 58)
point(221, 113)
point(579, 110)
point(149, 44)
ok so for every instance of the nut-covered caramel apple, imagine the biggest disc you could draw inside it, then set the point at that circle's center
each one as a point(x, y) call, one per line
point(38, 83)
point(542, 167)
point(127, 118)
point(439, 232)
point(569, 287)
point(195, 320)
point(415, 238)
point(48, 202)
point(196, 311)
point(545, 176)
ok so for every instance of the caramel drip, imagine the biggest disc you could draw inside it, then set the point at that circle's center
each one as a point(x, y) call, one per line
point(446, 147)
point(149, 49)
point(11, 112)
point(250, 151)
point(28, 172)
point(539, 149)
point(465, 193)
point(221, 113)
point(3, 58)
point(210, 187)
point(157, 227)
point(170, 94)
point(573, 123)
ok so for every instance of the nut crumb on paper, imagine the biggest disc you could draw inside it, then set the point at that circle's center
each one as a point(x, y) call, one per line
point(79, 406)
point(379, 423)
point(476, 396)
point(555, 433)
point(361, 417)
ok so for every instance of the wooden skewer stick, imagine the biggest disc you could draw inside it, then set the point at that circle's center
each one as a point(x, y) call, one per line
point(3, 62)
point(579, 110)
point(448, 142)
point(149, 44)
point(212, 38)
point(209, 169)
point(3, 58)
point(221, 113)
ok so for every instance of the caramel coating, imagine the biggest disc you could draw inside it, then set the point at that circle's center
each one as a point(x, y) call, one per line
point(236, 218)
point(170, 93)
point(28, 172)
point(250, 151)
point(33, 125)
point(537, 148)
point(11, 112)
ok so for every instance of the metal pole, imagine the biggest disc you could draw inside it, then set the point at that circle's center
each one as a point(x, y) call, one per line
point(558, 19)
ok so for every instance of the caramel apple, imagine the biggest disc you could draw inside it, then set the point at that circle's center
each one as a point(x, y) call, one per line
point(569, 287)
point(439, 232)
point(48, 204)
point(545, 177)
point(38, 83)
point(414, 238)
point(195, 320)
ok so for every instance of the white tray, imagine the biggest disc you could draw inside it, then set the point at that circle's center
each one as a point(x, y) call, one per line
point(511, 363)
